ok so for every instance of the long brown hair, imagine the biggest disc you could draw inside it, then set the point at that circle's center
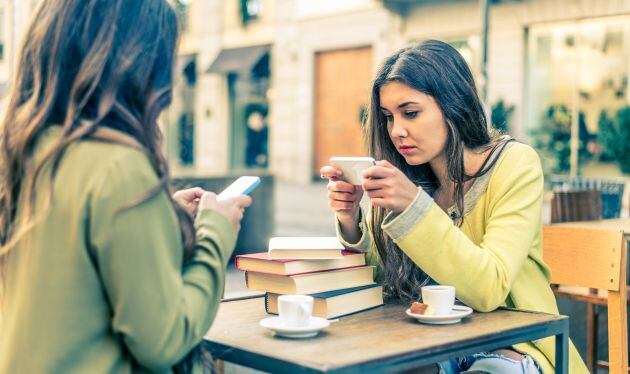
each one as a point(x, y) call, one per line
point(87, 65)
point(436, 69)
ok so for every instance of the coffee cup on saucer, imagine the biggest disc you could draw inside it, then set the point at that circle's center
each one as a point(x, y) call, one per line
point(440, 299)
point(295, 310)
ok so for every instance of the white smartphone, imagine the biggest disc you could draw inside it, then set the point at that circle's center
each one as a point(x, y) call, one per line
point(241, 186)
point(352, 167)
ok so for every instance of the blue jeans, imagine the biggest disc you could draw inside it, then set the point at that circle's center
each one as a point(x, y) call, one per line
point(492, 363)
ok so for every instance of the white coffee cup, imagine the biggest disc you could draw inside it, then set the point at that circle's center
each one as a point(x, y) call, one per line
point(439, 298)
point(295, 310)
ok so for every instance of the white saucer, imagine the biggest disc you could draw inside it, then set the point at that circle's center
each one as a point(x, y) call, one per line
point(457, 313)
point(275, 324)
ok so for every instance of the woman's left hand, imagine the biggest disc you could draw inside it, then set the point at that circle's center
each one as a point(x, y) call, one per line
point(189, 199)
point(388, 187)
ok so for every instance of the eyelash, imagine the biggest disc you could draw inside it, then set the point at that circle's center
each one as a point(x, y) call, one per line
point(412, 114)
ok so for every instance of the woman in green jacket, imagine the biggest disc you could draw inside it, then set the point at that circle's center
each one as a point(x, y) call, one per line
point(450, 203)
point(102, 270)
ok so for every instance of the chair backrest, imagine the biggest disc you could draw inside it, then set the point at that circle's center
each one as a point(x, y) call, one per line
point(573, 206)
point(611, 191)
point(595, 259)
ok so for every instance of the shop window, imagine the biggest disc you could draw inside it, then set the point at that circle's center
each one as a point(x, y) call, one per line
point(179, 118)
point(577, 67)
point(186, 123)
point(249, 91)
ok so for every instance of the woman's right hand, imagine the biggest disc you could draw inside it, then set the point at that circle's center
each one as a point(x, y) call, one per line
point(343, 197)
point(232, 208)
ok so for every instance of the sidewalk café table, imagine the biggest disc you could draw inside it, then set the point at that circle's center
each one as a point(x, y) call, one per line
point(620, 224)
point(383, 339)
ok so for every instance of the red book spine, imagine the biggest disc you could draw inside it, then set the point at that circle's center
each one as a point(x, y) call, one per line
point(307, 272)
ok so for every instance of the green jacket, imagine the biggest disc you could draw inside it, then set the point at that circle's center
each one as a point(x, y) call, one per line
point(92, 289)
point(495, 258)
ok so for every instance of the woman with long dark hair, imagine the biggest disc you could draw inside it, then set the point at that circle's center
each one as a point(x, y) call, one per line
point(101, 269)
point(450, 203)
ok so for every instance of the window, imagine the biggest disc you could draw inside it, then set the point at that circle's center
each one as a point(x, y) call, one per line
point(186, 120)
point(577, 67)
point(250, 10)
point(179, 118)
point(249, 104)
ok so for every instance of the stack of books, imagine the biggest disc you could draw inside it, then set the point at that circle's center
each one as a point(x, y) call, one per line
point(340, 282)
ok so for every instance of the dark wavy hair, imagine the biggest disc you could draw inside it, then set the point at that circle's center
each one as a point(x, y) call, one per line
point(438, 70)
point(88, 65)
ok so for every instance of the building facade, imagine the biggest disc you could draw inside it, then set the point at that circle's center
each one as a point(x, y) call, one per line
point(14, 18)
point(322, 55)
point(305, 66)
point(279, 86)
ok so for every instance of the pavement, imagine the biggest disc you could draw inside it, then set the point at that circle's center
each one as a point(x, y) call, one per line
point(303, 210)
point(299, 211)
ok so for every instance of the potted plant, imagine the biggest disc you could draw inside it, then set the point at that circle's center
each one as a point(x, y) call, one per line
point(500, 116)
point(614, 137)
point(553, 139)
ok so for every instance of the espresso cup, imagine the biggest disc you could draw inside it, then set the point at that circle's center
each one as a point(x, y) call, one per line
point(295, 310)
point(439, 298)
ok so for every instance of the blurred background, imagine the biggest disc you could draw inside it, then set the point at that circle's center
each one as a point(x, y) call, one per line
point(276, 87)
point(281, 85)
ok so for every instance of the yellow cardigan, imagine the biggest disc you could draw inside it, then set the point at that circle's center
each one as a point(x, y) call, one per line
point(498, 245)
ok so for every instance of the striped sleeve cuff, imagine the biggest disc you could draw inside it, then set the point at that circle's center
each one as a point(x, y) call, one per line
point(363, 245)
point(399, 225)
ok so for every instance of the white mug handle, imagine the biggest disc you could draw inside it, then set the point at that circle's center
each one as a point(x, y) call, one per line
point(304, 310)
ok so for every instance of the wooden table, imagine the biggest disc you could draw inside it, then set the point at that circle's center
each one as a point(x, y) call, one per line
point(621, 224)
point(382, 339)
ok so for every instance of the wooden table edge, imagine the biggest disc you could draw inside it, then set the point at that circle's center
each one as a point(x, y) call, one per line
point(400, 361)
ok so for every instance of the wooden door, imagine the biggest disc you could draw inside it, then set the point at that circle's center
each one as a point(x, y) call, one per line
point(342, 84)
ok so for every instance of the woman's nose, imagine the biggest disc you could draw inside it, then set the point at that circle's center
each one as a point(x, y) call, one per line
point(398, 129)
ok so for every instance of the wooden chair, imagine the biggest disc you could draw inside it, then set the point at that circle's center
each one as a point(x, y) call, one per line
point(611, 192)
point(594, 259)
point(574, 206)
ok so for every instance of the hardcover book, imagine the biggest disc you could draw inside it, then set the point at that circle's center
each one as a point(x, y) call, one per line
point(262, 263)
point(337, 303)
